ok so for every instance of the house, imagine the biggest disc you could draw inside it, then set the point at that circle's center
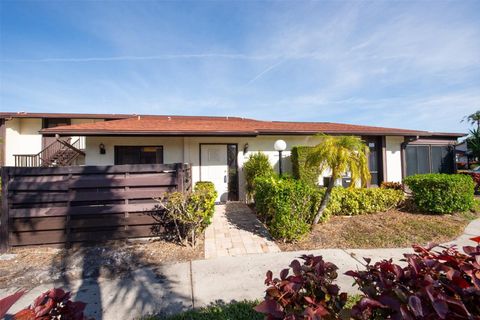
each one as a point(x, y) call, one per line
point(217, 147)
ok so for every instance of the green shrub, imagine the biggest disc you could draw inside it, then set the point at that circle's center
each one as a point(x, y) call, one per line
point(442, 193)
point(187, 214)
point(286, 205)
point(203, 198)
point(300, 170)
point(356, 201)
point(257, 165)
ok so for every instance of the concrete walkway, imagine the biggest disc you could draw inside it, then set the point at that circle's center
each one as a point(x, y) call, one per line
point(177, 287)
point(236, 231)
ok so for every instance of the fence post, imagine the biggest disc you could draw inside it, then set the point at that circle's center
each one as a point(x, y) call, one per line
point(4, 221)
point(180, 178)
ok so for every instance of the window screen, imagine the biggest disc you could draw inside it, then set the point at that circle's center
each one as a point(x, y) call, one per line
point(138, 155)
point(429, 159)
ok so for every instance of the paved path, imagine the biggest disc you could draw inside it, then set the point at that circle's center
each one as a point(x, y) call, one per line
point(177, 287)
point(236, 231)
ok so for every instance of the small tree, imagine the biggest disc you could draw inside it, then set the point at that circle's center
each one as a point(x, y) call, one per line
point(257, 165)
point(473, 119)
point(340, 154)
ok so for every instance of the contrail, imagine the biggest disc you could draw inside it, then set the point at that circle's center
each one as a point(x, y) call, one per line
point(261, 74)
point(155, 57)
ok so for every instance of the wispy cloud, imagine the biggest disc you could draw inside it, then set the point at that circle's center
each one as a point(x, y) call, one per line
point(232, 56)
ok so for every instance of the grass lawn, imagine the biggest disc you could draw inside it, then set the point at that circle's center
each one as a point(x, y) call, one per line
point(383, 230)
point(219, 311)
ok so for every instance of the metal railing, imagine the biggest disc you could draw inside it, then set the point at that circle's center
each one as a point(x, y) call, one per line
point(46, 157)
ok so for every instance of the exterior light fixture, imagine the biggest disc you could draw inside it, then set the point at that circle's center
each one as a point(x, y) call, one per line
point(101, 147)
point(245, 148)
point(280, 146)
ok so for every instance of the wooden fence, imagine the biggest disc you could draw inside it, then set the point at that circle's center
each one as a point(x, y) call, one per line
point(65, 205)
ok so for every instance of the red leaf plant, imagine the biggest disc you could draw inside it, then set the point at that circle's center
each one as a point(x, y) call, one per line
point(53, 304)
point(441, 284)
point(307, 293)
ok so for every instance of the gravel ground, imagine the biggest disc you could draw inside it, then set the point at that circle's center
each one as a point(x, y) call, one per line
point(28, 267)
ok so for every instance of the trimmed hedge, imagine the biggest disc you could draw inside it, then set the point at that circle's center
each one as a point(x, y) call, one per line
point(203, 197)
point(300, 170)
point(357, 201)
point(257, 165)
point(288, 206)
point(442, 193)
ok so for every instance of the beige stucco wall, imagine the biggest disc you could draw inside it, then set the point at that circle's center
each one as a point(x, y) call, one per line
point(394, 159)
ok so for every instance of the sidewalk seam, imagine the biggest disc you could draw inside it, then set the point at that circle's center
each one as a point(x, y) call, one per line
point(191, 285)
point(352, 256)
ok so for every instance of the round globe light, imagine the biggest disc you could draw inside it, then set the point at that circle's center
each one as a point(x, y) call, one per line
point(280, 145)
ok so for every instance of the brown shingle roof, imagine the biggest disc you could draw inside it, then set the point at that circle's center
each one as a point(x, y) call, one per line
point(191, 125)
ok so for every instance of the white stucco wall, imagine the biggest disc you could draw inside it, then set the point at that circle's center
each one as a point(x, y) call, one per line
point(394, 159)
point(187, 150)
point(172, 148)
point(22, 137)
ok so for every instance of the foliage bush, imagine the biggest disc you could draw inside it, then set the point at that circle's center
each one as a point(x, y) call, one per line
point(204, 196)
point(53, 304)
point(257, 165)
point(433, 285)
point(286, 205)
point(307, 293)
point(300, 169)
point(187, 214)
point(356, 201)
point(442, 193)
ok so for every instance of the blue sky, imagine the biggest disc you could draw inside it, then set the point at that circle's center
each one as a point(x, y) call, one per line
point(398, 64)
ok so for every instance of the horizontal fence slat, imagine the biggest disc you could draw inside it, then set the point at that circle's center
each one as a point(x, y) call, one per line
point(21, 171)
point(60, 223)
point(81, 210)
point(109, 195)
point(34, 197)
point(35, 186)
point(160, 179)
point(119, 194)
point(60, 236)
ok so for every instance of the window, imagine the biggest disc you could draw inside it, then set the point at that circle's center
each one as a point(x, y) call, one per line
point(138, 155)
point(429, 159)
point(55, 122)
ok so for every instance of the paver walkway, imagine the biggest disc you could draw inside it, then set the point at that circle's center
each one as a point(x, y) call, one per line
point(236, 231)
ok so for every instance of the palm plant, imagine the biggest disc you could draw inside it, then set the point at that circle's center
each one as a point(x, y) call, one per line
point(473, 119)
point(473, 142)
point(340, 154)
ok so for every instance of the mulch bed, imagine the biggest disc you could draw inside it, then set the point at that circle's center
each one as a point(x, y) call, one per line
point(29, 267)
point(381, 230)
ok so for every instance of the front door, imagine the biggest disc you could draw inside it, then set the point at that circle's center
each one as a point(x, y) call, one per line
point(214, 168)
point(218, 164)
